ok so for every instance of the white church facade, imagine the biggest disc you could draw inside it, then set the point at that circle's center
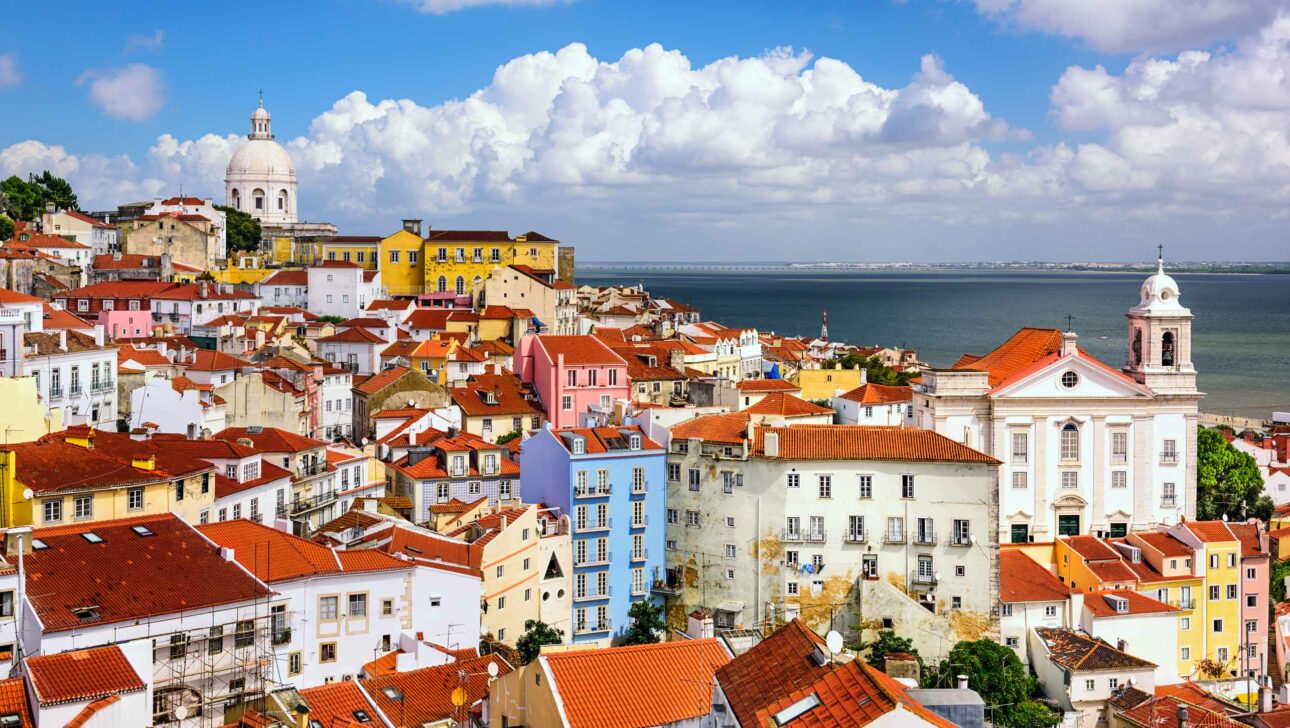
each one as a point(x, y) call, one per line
point(1085, 448)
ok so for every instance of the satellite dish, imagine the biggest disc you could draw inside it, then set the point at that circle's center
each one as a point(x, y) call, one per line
point(833, 641)
point(492, 669)
point(459, 697)
point(180, 712)
point(27, 494)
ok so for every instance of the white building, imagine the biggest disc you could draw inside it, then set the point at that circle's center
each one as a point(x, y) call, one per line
point(356, 349)
point(1031, 596)
point(260, 179)
point(340, 288)
point(763, 519)
point(75, 374)
point(874, 404)
point(197, 206)
point(165, 404)
point(337, 403)
point(1080, 673)
point(197, 304)
point(1137, 624)
point(102, 237)
point(285, 288)
point(1085, 448)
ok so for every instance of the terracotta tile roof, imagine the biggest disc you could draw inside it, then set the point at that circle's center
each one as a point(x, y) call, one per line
point(9, 296)
point(70, 677)
point(425, 548)
point(167, 463)
point(1023, 349)
point(129, 575)
point(1167, 545)
point(603, 688)
point(1163, 712)
point(727, 428)
point(607, 439)
point(856, 442)
point(333, 705)
point(274, 556)
point(193, 292)
point(389, 304)
point(57, 318)
point(1022, 579)
point(578, 350)
point(1193, 694)
point(455, 505)
point(206, 360)
point(786, 405)
point(427, 693)
point(878, 394)
point(507, 397)
point(118, 290)
point(468, 236)
point(298, 278)
point(1112, 571)
point(51, 464)
point(41, 240)
point(225, 487)
point(87, 219)
point(354, 335)
point(120, 261)
point(1075, 651)
point(48, 344)
point(337, 264)
point(13, 701)
point(1248, 533)
point(777, 666)
point(381, 380)
point(1097, 603)
point(271, 439)
point(851, 694)
point(767, 385)
point(1210, 531)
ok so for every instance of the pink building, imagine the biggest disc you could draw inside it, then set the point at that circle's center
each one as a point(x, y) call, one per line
point(119, 324)
point(571, 374)
point(1255, 579)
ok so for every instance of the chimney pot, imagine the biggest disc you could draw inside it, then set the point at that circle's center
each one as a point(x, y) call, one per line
point(1068, 343)
point(1181, 715)
point(962, 682)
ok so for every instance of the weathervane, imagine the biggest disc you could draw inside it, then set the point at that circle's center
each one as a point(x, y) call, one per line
point(1069, 319)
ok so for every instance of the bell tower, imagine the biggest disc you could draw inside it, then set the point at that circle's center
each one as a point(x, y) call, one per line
point(1160, 337)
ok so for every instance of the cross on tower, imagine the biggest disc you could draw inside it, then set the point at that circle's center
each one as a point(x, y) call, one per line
point(261, 98)
point(1069, 319)
point(1161, 251)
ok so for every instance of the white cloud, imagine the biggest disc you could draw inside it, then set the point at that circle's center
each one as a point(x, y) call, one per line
point(441, 7)
point(1131, 26)
point(134, 92)
point(139, 42)
point(9, 73)
point(652, 156)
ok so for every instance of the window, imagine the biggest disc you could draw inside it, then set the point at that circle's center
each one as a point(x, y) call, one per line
point(566, 403)
point(179, 490)
point(896, 529)
point(1185, 653)
point(694, 477)
point(1221, 653)
point(1119, 479)
point(1231, 591)
point(1231, 561)
point(1070, 444)
point(1020, 447)
point(1213, 592)
point(1070, 478)
point(1169, 453)
point(83, 507)
point(327, 650)
point(1070, 379)
point(358, 605)
point(794, 480)
point(1005, 610)
point(244, 634)
point(672, 515)
point(1050, 610)
point(1019, 479)
point(692, 518)
point(1218, 626)
point(53, 510)
point(826, 486)
point(791, 588)
point(328, 607)
point(394, 256)
point(6, 604)
point(387, 607)
point(178, 646)
point(961, 533)
point(730, 521)
point(501, 570)
point(907, 486)
point(1213, 561)
point(1119, 447)
point(1250, 574)
point(1011, 642)
point(731, 551)
point(866, 486)
point(926, 531)
point(1113, 682)
point(817, 528)
point(1184, 623)
point(1251, 625)
point(294, 663)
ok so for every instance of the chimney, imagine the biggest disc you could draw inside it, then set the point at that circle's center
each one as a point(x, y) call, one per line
point(226, 553)
point(1265, 698)
point(962, 681)
point(302, 716)
point(116, 255)
point(1068, 343)
point(201, 290)
point(1122, 645)
point(770, 444)
point(17, 540)
point(62, 339)
point(1181, 715)
point(99, 333)
point(412, 226)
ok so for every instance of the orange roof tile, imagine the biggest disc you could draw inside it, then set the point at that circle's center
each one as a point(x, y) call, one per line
point(1091, 547)
point(70, 677)
point(1076, 651)
point(857, 442)
point(603, 688)
point(724, 428)
point(578, 350)
point(606, 439)
point(270, 439)
point(333, 705)
point(274, 556)
point(786, 405)
point(773, 668)
point(1137, 603)
point(1167, 545)
point(1163, 713)
point(1024, 348)
point(766, 385)
point(425, 695)
point(13, 701)
point(1022, 579)
point(849, 695)
point(1210, 531)
point(381, 380)
point(878, 394)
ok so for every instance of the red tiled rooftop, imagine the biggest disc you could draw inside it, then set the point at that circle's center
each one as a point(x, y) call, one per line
point(274, 556)
point(878, 394)
point(786, 405)
point(579, 350)
point(1096, 602)
point(1022, 579)
point(748, 386)
point(856, 442)
point(270, 439)
point(80, 675)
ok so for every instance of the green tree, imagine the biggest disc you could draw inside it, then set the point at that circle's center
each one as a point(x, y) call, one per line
point(332, 318)
point(6, 228)
point(1228, 481)
point(25, 200)
point(997, 675)
point(536, 634)
point(243, 230)
point(56, 190)
point(509, 436)
point(1280, 570)
point(888, 641)
point(647, 622)
point(875, 370)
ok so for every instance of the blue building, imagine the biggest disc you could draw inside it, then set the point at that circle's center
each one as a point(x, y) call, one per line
point(610, 482)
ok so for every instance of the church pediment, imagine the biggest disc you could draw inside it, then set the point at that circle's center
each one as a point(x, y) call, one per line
point(1072, 377)
point(1070, 500)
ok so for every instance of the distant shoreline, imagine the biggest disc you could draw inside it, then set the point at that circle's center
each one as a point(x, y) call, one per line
point(1268, 268)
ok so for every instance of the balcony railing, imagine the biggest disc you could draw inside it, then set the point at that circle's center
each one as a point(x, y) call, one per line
point(815, 536)
point(597, 526)
point(1183, 604)
point(960, 540)
point(666, 588)
point(300, 505)
point(893, 537)
point(589, 596)
point(641, 522)
point(604, 625)
point(594, 560)
point(1168, 458)
point(593, 491)
point(638, 487)
point(925, 538)
point(640, 555)
point(787, 535)
point(282, 636)
point(1168, 501)
point(638, 590)
point(856, 537)
point(75, 391)
point(55, 392)
point(102, 385)
point(313, 469)
point(921, 578)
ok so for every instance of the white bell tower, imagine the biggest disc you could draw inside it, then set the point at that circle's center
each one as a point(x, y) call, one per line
point(1160, 337)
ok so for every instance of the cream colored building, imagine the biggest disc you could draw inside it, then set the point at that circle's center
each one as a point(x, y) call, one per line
point(520, 287)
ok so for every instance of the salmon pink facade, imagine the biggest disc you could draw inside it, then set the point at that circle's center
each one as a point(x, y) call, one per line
point(571, 374)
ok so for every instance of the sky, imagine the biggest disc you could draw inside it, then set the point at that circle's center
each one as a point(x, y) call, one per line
point(870, 130)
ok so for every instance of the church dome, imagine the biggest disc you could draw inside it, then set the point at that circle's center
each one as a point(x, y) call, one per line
point(1160, 291)
point(261, 158)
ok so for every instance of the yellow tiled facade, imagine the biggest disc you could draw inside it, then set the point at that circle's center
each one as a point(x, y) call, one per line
point(456, 261)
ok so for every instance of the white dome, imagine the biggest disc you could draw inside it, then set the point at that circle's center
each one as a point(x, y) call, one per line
point(1160, 292)
point(260, 113)
point(261, 158)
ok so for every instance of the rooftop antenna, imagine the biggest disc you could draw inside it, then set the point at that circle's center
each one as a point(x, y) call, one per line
point(824, 326)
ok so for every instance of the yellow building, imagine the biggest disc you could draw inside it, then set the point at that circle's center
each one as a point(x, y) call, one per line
point(1167, 573)
point(456, 261)
point(364, 250)
point(1219, 563)
point(820, 384)
point(67, 478)
point(23, 418)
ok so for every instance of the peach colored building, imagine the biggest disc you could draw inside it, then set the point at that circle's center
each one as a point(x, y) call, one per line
point(572, 374)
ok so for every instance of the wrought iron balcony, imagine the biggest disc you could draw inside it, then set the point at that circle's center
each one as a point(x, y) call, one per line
point(787, 535)
point(603, 625)
point(593, 491)
point(926, 538)
point(856, 537)
point(816, 536)
point(894, 537)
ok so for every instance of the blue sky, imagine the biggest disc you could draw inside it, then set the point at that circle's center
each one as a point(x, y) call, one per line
point(1009, 143)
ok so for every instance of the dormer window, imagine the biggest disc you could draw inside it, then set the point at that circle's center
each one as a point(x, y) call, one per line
point(579, 446)
point(634, 442)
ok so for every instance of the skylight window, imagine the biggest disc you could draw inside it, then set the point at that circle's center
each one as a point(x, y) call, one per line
point(797, 710)
point(37, 544)
point(92, 537)
point(142, 531)
point(392, 693)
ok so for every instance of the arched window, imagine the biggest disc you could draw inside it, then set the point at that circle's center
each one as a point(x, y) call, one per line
point(443, 284)
point(1137, 346)
point(461, 285)
point(257, 199)
point(282, 201)
point(236, 199)
point(474, 285)
point(1070, 444)
point(1167, 349)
